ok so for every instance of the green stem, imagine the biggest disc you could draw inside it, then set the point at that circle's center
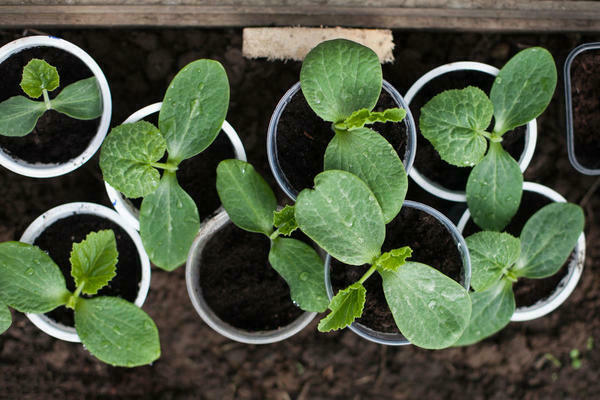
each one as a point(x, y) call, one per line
point(274, 235)
point(72, 302)
point(165, 166)
point(47, 99)
point(367, 274)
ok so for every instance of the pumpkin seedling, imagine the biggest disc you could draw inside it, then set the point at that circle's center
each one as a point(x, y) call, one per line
point(112, 329)
point(456, 123)
point(19, 114)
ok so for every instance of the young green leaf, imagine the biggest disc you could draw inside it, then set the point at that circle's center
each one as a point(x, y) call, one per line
point(392, 260)
point(492, 253)
point(194, 108)
point(116, 331)
point(127, 156)
point(492, 310)
point(302, 268)
point(548, 238)
point(523, 88)
point(429, 308)
point(345, 306)
point(369, 156)
point(247, 198)
point(454, 122)
point(30, 280)
point(94, 261)
point(37, 76)
point(360, 118)
point(339, 77)
point(18, 115)
point(5, 318)
point(342, 216)
point(169, 222)
point(80, 100)
point(285, 220)
point(494, 189)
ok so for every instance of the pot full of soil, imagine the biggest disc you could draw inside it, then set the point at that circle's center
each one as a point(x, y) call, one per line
point(197, 176)
point(537, 297)
point(58, 144)
point(235, 290)
point(435, 241)
point(582, 94)
point(431, 172)
point(297, 138)
point(57, 229)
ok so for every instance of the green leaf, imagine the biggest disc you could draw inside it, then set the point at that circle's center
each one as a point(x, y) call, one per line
point(367, 154)
point(5, 318)
point(169, 221)
point(18, 115)
point(37, 76)
point(492, 310)
point(302, 268)
point(285, 220)
point(339, 77)
point(523, 88)
point(360, 118)
point(392, 260)
point(247, 198)
point(30, 281)
point(80, 100)
point(342, 216)
point(548, 238)
point(116, 331)
point(194, 108)
point(492, 253)
point(454, 122)
point(429, 308)
point(94, 261)
point(494, 189)
point(345, 306)
point(127, 156)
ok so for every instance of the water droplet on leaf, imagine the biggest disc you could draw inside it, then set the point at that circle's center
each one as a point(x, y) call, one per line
point(303, 276)
point(29, 271)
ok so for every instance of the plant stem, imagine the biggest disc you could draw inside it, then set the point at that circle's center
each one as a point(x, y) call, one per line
point(46, 99)
point(274, 235)
point(166, 166)
point(72, 302)
point(367, 274)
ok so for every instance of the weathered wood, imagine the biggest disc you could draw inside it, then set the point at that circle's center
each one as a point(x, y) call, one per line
point(480, 15)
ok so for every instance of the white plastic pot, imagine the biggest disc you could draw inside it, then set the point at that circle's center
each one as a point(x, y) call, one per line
point(41, 223)
point(39, 170)
point(123, 206)
point(192, 279)
point(566, 286)
point(436, 188)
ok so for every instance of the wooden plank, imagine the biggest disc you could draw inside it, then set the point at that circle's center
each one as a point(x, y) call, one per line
point(474, 15)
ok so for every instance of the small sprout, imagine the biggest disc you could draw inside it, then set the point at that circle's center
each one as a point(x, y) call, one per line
point(555, 361)
point(575, 358)
point(589, 344)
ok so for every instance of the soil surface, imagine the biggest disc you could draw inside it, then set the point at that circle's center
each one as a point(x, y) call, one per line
point(196, 362)
point(56, 137)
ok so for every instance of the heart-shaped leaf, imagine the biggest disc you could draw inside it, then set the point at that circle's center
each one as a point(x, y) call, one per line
point(345, 306)
point(491, 254)
point(37, 76)
point(94, 261)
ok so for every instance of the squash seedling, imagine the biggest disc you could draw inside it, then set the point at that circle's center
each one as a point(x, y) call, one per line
point(498, 260)
point(193, 110)
point(19, 114)
point(456, 123)
point(112, 329)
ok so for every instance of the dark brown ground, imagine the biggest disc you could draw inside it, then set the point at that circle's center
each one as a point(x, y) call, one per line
point(197, 363)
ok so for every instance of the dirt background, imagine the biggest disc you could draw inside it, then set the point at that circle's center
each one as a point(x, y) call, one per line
point(526, 360)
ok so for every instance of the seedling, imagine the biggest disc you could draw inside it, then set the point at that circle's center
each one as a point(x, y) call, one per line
point(575, 358)
point(251, 205)
point(456, 123)
point(498, 260)
point(112, 329)
point(79, 100)
point(341, 81)
point(193, 110)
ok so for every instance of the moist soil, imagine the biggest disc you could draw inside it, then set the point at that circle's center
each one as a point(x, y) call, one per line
point(302, 138)
point(56, 137)
point(196, 362)
point(585, 95)
point(432, 244)
point(239, 284)
point(57, 240)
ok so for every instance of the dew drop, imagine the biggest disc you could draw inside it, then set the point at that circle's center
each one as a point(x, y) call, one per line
point(303, 276)
point(195, 108)
point(29, 271)
point(431, 304)
point(147, 325)
point(179, 204)
point(201, 86)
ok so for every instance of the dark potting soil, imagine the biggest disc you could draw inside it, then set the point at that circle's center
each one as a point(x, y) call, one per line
point(56, 137)
point(57, 240)
point(585, 92)
point(427, 160)
point(528, 291)
point(239, 284)
point(431, 243)
point(302, 138)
